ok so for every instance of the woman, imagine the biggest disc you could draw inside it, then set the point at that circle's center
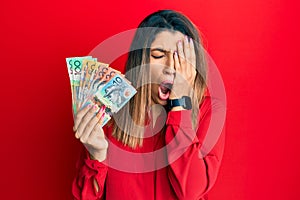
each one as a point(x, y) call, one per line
point(167, 67)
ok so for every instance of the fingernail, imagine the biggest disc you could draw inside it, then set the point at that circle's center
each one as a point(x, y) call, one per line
point(179, 42)
point(76, 134)
point(90, 105)
point(102, 116)
point(95, 107)
point(101, 109)
point(175, 53)
point(191, 41)
point(186, 38)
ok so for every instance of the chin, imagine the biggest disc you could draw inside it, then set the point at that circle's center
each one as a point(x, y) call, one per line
point(157, 100)
point(164, 103)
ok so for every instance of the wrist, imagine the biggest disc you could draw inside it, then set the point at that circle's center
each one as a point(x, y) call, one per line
point(100, 156)
point(177, 95)
point(177, 108)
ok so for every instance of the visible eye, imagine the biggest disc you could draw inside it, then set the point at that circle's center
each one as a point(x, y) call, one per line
point(157, 57)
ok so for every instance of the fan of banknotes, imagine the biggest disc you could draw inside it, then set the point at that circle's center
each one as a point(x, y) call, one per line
point(96, 82)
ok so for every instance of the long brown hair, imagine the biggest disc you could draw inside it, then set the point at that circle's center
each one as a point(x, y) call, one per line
point(129, 121)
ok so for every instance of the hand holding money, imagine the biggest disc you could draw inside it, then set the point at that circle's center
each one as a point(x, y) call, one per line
point(97, 91)
point(88, 130)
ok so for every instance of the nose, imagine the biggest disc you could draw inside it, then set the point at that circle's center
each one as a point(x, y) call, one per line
point(169, 68)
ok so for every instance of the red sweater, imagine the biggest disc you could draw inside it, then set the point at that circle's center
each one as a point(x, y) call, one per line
point(181, 170)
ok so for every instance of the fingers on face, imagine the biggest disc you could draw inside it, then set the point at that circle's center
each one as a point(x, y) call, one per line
point(186, 48)
point(180, 52)
point(176, 61)
point(192, 58)
point(185, 60)
point(192, 50)
point(186, 51)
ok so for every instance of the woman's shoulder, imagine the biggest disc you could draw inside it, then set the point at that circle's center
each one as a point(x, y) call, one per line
point(206, 100)
point(210, 103)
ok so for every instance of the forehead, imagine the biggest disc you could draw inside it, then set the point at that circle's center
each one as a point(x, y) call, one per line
point(167, 40)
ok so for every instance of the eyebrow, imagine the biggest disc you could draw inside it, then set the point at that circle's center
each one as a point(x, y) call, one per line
point(160, 49)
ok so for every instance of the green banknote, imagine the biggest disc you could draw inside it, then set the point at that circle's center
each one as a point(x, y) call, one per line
point(74, 65)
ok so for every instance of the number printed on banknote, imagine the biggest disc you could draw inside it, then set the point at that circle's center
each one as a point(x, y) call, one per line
point(116, 93)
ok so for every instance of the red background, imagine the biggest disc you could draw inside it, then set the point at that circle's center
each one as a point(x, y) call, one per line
point(254, 43)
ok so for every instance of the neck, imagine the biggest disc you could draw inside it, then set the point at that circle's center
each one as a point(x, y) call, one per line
point(156, 111)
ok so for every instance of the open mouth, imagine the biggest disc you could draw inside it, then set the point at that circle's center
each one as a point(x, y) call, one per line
point(165, 89)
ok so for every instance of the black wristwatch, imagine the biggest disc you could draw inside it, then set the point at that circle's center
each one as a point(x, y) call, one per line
point(184, 101)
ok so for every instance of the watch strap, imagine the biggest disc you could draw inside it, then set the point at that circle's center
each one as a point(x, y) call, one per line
point(184, 101)
point(174, 102)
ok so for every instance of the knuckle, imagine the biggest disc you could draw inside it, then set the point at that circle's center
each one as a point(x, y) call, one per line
point(81, 113)
point(97, 127)
point(82, 140)
point(91, 111)
point(76, 135)
point(89, 141)
point(105, 143)
point(78, 117)
point(95, 120)
point(89, 126)
point(84, 120)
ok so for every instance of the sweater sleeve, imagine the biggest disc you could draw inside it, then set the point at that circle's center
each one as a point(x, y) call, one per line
point(192, 171)
point(89, 171)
